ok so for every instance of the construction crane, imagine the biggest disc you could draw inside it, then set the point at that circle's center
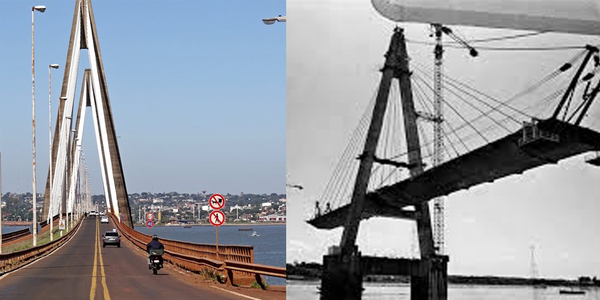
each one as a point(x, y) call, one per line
point(439, 224)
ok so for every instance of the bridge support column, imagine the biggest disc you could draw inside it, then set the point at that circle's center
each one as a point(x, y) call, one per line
point(433, 285)
point(342, 277)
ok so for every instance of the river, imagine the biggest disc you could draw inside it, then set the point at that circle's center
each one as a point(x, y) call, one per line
point(308, 290)
point(269, 246)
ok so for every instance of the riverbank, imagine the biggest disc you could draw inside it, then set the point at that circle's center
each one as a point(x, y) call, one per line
point(226, 224)
point(313, 272)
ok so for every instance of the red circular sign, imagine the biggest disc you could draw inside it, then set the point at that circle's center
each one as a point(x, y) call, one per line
point(150, 223)
point(217, 218)
point(149, 216)
point(216, 201)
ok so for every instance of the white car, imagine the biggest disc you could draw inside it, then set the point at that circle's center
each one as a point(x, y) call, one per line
point(104, 219)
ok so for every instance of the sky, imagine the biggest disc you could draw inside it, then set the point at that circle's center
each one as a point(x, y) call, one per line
point(334, 53)
point(197, 90)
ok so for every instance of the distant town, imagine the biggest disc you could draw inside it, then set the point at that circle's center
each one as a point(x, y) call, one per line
point(169, 208)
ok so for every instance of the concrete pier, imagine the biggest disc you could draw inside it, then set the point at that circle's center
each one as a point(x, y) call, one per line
point(342, 276)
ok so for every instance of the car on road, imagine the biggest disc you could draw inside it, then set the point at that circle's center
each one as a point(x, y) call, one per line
point(111, 238)
point(92, 213)
point(104, 219)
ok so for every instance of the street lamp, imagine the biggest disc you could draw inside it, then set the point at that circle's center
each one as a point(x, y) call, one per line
point(271, 21)
point(41, 9)
point(50, 67)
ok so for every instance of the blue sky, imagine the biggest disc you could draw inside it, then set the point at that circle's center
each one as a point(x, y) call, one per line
point(197, 90)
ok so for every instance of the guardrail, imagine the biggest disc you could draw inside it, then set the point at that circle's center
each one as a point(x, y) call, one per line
point(7, 237)
point(23, 234)
point(14, 260)
point(234, 261)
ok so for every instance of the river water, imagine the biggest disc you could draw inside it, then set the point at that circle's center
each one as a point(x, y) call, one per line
point(308, 290)
point(269, 246)
point(9, 229)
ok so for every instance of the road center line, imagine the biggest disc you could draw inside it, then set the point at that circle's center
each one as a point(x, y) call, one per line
point(94, 272)
point(106, 294)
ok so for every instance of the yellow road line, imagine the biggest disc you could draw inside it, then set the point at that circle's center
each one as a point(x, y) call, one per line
point(98, 254)
point(94, 272)
point(106, 294)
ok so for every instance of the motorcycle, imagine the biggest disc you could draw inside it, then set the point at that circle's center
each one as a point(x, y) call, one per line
point(154, 260)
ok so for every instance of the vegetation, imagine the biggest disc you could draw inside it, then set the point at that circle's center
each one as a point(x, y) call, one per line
point(210, 274)
point(256, 285)
point(172, 205)
point(313, 271)
point(42, 239)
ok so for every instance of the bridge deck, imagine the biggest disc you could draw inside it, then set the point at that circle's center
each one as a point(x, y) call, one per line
point(495, 160)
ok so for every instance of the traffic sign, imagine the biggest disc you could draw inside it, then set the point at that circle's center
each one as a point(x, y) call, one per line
point(217, 218)
point(150, 223)
point(149, 216)
point(216, 201)
point(61, 224)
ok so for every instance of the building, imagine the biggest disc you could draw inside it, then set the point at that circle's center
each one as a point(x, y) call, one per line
point(273, 218)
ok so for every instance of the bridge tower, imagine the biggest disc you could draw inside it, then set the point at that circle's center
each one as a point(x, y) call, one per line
point(85, 36)
point(343, 267)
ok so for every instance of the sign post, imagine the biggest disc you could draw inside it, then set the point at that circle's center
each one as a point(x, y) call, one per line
point(217, 217)
point(149, 222)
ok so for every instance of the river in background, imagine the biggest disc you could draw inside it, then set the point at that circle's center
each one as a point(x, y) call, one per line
point(269, 246)
point(9, 229)
point(308, 290)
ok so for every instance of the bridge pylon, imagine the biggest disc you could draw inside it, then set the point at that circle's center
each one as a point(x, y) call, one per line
point(344, 267)
point(85, 36)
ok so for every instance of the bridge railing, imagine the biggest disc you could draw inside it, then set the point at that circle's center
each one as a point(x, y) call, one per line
point(236, 262)
point(17, 259)
point(7, 237)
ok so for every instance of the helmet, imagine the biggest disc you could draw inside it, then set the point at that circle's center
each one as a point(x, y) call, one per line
point(155, 237)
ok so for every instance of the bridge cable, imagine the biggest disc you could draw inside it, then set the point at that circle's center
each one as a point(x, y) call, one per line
point(333, 185)
point(415, 75)
point(419, 90)
point(420, 95)
point(455, 82)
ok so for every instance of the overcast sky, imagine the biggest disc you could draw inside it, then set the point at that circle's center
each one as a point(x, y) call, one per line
point(334, 52)
point(197, 90)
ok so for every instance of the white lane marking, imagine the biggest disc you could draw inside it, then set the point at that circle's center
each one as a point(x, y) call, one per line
point(237, 294)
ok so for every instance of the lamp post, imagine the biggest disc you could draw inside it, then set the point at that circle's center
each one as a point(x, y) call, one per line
point(49, 217)
point(271, 21)
point(41, 9)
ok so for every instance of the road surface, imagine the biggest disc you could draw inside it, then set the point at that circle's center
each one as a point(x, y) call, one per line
point(83, 269)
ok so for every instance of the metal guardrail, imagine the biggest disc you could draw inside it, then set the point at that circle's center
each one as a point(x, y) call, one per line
point(234, 261)
point(17, 259)
point(20, 235)
point(7, 237)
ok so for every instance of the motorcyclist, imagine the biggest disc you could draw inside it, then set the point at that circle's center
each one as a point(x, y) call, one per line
point(155, 244)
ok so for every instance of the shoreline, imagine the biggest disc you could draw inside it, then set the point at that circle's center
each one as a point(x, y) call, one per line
point(226, 224)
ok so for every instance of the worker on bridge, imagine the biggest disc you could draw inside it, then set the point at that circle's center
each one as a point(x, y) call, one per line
point(155, 244)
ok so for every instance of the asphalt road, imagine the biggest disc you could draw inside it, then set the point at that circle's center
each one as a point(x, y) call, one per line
point(83, 269)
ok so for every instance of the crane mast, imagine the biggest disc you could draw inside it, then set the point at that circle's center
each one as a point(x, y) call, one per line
point(438, 145)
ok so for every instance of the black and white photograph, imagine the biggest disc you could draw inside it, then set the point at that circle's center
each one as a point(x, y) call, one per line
point(443, 149)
